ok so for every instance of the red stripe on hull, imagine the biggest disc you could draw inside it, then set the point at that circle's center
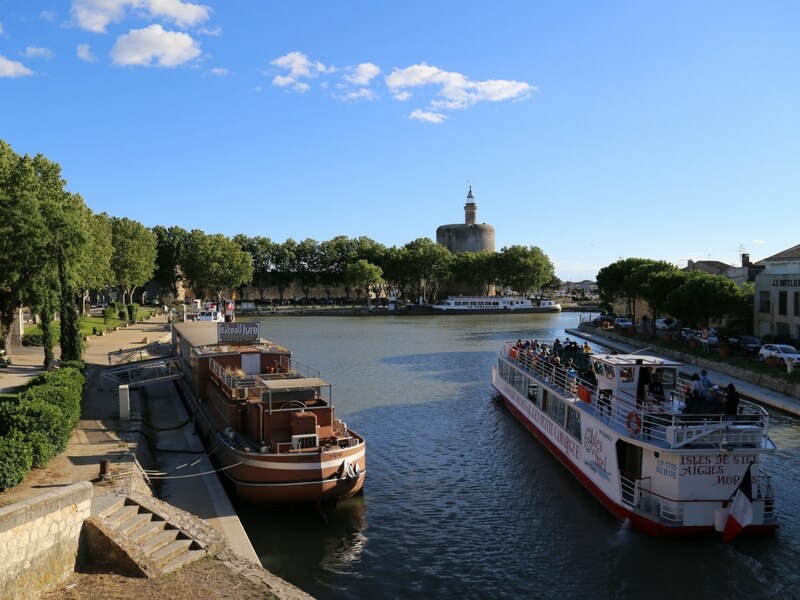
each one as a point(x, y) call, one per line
point(638, 521)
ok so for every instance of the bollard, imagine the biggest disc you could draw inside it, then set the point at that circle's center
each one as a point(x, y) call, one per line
point(105, 468)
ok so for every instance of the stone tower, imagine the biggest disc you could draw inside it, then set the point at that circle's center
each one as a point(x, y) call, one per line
point(469, 237)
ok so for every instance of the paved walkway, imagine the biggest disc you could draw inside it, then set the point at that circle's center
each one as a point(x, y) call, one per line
point(101, 436)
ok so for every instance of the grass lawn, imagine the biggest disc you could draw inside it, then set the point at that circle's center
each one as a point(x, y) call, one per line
point(90, 325)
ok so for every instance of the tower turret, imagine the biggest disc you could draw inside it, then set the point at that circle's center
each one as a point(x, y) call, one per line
point(470, 209)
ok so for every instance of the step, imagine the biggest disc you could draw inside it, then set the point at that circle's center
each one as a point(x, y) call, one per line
point(160, 539)
point(147, 531)
point(102, 506)
point(183, 559)
point(135, 522)
point(121, 515)
point(166, 553)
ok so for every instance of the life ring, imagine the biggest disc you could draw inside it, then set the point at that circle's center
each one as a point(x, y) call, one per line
point(633, 422)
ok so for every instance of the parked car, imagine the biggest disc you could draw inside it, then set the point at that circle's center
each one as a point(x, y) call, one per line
point(685, 333)
point(747, 345)
point(666, 323)
point(697, 335)
point(783, 352)
point(622, 322)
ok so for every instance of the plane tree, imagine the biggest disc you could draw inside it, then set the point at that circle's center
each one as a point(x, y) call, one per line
point(133, 261)
point(363, 276)
point(216, 263)
point(524, 269)
point(171, 246)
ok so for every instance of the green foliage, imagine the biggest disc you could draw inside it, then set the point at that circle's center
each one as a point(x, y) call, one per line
point(16, 459)
point(123, 316)
point(524, 269)
point(108, 314)
point(132, 310)
point(38, 423)
point(34, 338)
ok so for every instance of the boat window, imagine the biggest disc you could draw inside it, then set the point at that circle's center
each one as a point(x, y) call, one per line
point(574, 423)
point(626, 374)
point(556, 409)
point(598, 369)
point(533, 392)
point(668, 377)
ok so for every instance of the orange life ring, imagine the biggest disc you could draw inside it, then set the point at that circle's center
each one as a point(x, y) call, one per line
point(633, 422)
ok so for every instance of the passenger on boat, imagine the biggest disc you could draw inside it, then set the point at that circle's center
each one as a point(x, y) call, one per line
point(731, 403)
point(641, 385)
point(697, 386)
point(586, 348)
point(705, 381)
point(655, 390)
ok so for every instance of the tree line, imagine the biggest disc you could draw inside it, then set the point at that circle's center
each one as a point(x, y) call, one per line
point(54, 251)
point(692, 297)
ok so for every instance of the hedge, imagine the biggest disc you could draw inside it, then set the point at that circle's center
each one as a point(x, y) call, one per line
point(38, 423)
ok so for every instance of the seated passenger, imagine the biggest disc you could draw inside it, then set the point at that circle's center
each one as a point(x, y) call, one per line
point(655, 390)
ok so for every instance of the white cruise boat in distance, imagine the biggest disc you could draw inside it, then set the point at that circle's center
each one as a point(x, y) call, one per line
point(669, 470)
point(486, 305)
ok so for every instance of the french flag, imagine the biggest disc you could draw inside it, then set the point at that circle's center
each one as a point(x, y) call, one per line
point(740, 508)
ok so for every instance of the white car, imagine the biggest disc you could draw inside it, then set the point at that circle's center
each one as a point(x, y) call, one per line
point(666, 323)
point(783, 352)
point(622, 322)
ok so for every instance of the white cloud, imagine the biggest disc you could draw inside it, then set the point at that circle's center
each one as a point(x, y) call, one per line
point(153, 46)
point(401, 96)
point(455, 90)
point(363, 74)
point(85, 53)
point(47, 15)
point(359, 94)
point(183, 14)
point(428, 117)
point(36, 52)
point(299, 67)
point(12, 68)
point(97, 15)
point(219, 71)
point(212, 31)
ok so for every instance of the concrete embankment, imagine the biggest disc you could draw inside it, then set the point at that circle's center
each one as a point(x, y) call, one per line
point(769, 391)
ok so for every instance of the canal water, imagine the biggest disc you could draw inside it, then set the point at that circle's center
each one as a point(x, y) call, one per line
point(461, 502)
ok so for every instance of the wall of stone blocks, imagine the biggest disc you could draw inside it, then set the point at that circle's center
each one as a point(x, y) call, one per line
point(39, 540)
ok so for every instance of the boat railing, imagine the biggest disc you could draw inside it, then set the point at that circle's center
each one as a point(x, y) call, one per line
point(655, 421)
point(636, 493)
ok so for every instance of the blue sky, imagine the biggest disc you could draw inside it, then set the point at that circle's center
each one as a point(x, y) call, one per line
point(594, 130)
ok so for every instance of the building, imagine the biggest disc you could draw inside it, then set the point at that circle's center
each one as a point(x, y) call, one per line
point(777, 301)
point(469, 237)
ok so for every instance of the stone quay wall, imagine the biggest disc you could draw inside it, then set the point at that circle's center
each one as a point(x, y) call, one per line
point(39, 540)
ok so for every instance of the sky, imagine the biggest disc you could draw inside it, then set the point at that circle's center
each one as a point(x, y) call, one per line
point(594, 130)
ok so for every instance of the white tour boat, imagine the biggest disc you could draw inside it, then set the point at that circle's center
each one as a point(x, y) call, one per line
point(487, 305)
point(670, 470)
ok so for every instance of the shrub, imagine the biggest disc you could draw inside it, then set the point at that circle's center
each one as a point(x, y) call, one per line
point(34, 338)
point(132, 308)
point(122, 315)
point(74, 364)
point(108, 314)
point(16, 459)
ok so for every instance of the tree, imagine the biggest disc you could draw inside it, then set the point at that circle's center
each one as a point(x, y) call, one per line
point(171, 245)
point(363, 275)
point(702, 297)
point(657, 288)
point(476, 269)
point(42, 236)
point(133, 261)
point(427, 266)
point(216, 264)
point(307, 265)
point(93, 268)
point(524, 269)
point(262, 252)
point(624, 280)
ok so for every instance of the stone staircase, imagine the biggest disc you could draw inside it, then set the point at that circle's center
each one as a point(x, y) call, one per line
point(139, 540)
